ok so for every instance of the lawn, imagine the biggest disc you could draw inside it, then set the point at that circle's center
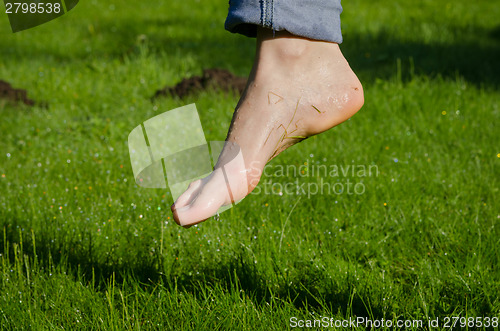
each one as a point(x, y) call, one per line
point(415, 239)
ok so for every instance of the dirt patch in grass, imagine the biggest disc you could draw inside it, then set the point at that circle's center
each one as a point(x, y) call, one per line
point(13, 95)
point(211, 78)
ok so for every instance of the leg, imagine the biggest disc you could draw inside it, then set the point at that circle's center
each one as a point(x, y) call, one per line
point(298, 87)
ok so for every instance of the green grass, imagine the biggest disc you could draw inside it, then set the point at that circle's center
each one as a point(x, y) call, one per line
point(83, 247)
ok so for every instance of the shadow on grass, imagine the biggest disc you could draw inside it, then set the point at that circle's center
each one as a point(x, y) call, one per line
point(375, 56)
point(310, 290)
point(371, 56)
point(306, 287)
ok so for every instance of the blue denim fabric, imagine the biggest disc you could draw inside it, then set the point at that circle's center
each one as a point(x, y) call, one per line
point(314, 19)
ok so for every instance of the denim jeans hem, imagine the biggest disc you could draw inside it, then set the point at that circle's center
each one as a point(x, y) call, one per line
point(314, 19)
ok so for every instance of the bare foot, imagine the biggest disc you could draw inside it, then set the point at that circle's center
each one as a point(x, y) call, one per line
point(297, 88)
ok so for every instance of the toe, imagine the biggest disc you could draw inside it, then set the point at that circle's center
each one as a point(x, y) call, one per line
point(210, 197)
point(186, 197)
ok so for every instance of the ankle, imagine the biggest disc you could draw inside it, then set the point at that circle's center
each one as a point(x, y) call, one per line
point(281, 47)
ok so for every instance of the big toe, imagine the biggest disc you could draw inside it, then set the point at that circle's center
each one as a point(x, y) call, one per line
point(188, 195)
point(203, 203)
